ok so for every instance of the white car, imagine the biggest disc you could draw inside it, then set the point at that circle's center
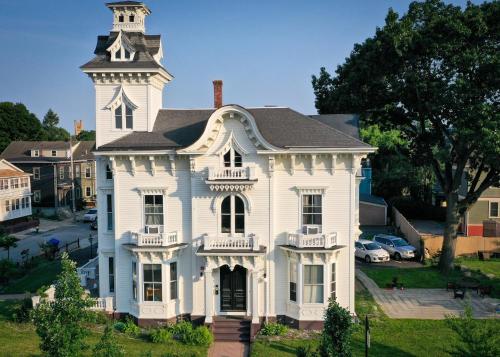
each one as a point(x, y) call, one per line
point(371, 252)
point(90, 216)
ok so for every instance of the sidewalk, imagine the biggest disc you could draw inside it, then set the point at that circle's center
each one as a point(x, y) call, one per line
point(432, 304)
point(229, 349)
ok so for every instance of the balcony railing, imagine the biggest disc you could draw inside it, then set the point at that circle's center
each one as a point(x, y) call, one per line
point(231, 173)
point(154, 239)
point(251, 242)
point(312, 241)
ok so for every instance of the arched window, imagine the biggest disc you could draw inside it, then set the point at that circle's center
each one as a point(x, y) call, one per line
point(124, 110)
point(232, 158)
point(232, 215)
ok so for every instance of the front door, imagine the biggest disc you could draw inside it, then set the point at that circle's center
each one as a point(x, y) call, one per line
point(233, 288)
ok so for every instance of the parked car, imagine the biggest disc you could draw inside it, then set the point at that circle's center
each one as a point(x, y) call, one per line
point(370, 251)
point(90, 216)
point(93, 225)
point(397, 247)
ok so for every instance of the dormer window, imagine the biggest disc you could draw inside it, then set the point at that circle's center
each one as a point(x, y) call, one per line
point(121, 49)
point(131, 18)
point(54, 153)
point(124, 111)
point(121, 18)
point(127, 54)
point(232, 158)
point(35, 153)
point(118, 54)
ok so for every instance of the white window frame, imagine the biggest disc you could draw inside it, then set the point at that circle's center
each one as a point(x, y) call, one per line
point(61, 172)
point(153, 228)
point(37, 196)
point(321, 284)
point(14, 183)
point(35, 153)
point(109, 172)
point(111, 276)
point(4, 184)
point(135, 282)
point(232, 206)
point(36, 173)
point(333, 280)
point(53, 153)
point(173, 281)
point(88, 172)
point(88, 191)
point(293, 265)
point(305, 227)
point(122, 107)
point(144, 282)
point(7, 206)
point(498, 208)
point(109, 212)
point(232, 153)
point(17, 204)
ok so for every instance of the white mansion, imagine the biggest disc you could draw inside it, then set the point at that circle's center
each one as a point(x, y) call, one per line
point(205, 213)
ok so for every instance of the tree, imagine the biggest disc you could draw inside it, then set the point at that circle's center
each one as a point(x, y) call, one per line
point(108, 346)
point(433, 74)
point(51, 119)
point(17, 123)
point(476, 338)
point(86, 135)
point(7, 242)
point(60, 323)
point(337, 331)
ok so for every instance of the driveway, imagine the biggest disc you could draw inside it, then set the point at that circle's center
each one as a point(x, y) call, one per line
point(402, 264)
point(65, 231)
point(432, 304)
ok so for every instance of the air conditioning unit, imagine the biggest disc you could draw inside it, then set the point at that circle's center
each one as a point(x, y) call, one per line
point(153, 229)
point(311, 229)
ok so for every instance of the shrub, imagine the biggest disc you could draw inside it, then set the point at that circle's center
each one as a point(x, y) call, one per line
point(97, 317)
point(108, 346)
point(337, 331)
point(119, 326)
point(200, 336)
point(22, 311)
point(130, 327)
point(274, 329)
point(160, 335)
point(306, 351)
point(181, 329)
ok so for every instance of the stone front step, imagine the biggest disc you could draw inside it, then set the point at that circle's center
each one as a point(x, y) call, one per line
point(228, 329)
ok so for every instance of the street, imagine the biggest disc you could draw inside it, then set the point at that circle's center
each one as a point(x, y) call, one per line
point(65, 231)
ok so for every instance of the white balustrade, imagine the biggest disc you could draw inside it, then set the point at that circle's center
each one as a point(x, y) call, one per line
point(231, 173)
point(300, 240)
point(154, 239)
point(103, 304)
point(232, 243)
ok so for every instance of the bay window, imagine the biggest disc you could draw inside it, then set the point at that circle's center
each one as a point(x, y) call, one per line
point(333, 282)
point(293, 281)
point(313, 284)
point(152, 282)
point(173, 281)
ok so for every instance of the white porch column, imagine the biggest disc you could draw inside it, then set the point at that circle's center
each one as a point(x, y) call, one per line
point(255, 297)
point(209, 296)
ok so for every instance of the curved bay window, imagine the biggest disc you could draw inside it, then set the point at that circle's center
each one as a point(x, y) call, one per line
point(232, 215)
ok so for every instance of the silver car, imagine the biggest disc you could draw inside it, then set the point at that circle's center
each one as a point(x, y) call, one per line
point(397, 247)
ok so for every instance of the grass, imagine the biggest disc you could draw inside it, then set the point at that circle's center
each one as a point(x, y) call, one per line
point(20, 339)
point(389, 337)
point(429, 277)
point(44, 273)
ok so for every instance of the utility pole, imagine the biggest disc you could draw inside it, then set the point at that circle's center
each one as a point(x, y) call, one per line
point(72, 179)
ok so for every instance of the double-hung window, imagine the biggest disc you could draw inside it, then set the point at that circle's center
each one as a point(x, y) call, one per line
point(232, 158)
point(494, 209)
point(4, 184)
point(153, 213)
point(121, 112)
point(88, 191)
point(152, 282)
point(173, 281)
point(77, 170)
point(36, 173)
point(109, 211)
point(17, 203)
point(333, 282)
point(61, 172)
point(7, 205)
point(313, 284)
point(14, 183)
point(109, 173)
point(312, 212)
point(88, 172)
point(232, 215)
point(37, 196)
point(293, 281)
point(111, 274)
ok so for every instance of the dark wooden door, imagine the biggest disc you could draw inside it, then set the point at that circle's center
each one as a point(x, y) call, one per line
point(233, 284)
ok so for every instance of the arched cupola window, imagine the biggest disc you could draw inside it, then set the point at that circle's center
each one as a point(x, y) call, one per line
point(232, 216)
point(232, 158)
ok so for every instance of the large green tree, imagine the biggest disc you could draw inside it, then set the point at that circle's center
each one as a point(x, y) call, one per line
point(17, 123)
point(433, 74)
point(86, 135)
point(51, 130)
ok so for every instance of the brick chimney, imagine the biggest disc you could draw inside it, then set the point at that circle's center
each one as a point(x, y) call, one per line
point(217, 93)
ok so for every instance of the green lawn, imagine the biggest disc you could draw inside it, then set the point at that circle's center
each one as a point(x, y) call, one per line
point(389, 337)
point(21, 340)
point(44, 273)
point(491, 266)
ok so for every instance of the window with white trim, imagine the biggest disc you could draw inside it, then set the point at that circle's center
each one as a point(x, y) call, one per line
point(88, 191)
point(232, 215)
point(37, 196)
point(124, 111)
point(7, 205)
point(293, 281)
point(134, 280)
point(28, 203)
point(36, 173)
point(53, 153)
point(17, 204)
point(14, 183)
point(494, 209)
point(88, 172)
point(153, 213)
point(312, 214)
point(23, 203)
point(232, 158)
point(35, 153)
point(24, 182)
point(152, 282)
point(333, 282)
point(77, 170)
point(109, 173)
point(61, 172)
point(111, 274)
point(313, 284)
point(173, 281)
point(4, 184)
point(109, 212)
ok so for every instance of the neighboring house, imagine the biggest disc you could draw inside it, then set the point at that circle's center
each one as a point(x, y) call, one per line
point(15, 194)
point(209, 213)
point(49, 163)
point(372, 209)
point(483, 217)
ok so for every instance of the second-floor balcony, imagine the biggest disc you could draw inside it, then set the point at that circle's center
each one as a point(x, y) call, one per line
point(154, 239)
point(250, 242)
point(231, 178)
point(299, 240)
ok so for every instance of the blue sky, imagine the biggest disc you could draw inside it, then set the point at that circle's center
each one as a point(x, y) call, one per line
point(264, 51)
